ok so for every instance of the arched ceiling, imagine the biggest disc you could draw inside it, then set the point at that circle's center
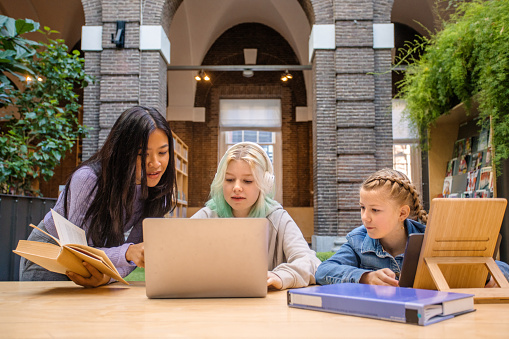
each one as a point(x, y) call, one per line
point(417, 14)
point(197, 24)
point(65, 16)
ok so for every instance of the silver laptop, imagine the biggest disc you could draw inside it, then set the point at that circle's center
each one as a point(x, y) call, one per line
point(206, 258)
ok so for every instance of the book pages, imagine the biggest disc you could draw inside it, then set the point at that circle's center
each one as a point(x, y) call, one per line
point(68, 233)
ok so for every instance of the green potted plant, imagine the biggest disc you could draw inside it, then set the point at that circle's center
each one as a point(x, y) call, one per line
point(38, 95)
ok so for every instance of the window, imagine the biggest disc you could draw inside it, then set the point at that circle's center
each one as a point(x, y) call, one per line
point(255, 120)
point(406, 152)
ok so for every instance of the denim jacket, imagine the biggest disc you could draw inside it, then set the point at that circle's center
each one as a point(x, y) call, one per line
point(361, 254)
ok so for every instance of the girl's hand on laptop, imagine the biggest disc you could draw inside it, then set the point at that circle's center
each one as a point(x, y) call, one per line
point(136, 254)
point(273, 280)
point(96, 278)
point(385, 276)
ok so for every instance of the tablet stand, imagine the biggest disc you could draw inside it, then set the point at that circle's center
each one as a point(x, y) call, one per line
point(458, 247)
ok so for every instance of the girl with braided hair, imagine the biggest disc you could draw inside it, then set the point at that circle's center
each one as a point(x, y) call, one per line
point(373, 253)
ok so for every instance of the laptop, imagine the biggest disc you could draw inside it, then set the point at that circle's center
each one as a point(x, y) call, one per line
point(206, 258)
point(411, 259)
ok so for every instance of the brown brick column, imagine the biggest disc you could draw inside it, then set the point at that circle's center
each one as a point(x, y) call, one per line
point(124, 76)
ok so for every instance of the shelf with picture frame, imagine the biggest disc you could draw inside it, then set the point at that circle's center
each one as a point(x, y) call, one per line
point(460, 151)
point(181, 154)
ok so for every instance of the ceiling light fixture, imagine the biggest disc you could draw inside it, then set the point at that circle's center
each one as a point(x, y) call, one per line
point(286, 76)
point(247, 73)
point(202, 75)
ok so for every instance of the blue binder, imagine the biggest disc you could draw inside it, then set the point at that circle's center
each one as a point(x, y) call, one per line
point(400, 304)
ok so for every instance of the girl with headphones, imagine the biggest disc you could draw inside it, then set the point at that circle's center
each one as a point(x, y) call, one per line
point(243, 187)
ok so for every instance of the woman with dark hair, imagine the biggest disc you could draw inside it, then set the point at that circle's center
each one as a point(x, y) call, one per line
point(130, 178)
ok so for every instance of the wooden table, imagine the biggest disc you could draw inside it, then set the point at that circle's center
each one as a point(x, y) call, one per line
point(64, 310)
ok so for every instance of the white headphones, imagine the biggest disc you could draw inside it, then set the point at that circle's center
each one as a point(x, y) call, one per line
point(268, 178)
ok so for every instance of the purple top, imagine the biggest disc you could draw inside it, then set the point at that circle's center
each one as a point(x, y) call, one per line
point(79, 198)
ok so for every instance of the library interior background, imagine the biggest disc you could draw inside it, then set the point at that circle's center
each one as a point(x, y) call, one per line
point(312, 81)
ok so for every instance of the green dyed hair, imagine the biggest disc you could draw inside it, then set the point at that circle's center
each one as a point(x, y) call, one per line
point(263, 174)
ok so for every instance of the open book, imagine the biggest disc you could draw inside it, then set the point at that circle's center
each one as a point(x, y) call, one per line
point(69, 254)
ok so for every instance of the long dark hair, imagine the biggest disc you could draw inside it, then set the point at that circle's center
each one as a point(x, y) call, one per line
point(115, 167)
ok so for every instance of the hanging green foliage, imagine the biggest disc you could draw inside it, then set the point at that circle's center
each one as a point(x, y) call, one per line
point(470, 56)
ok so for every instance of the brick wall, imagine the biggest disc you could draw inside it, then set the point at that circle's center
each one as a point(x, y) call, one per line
point(323, 11)
point(364, 130)
point(91, 105)
point(124, 77)
point(324, 144)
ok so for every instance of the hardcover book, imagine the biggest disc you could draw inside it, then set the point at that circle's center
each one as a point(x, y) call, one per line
point(487, 158)
point(459, 183)
point(468, 146)
point(69, 254)
point(473, 162)
point(484, 136)
point(476, 161)
point(446, 190)
point(482, 194)
point(450, 168)
point(485, 181)
point(475, 143)
point(479, 162)
point(472, 180)
point(459, 148)
point(399, 304)
point(463, 164)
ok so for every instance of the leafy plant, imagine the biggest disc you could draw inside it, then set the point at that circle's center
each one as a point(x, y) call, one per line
point(469, 57)
point(42, 122)
point(14, 51)
point(324, 255)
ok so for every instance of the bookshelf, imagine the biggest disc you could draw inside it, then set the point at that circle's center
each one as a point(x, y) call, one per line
point(181, 152)
point(446, 136)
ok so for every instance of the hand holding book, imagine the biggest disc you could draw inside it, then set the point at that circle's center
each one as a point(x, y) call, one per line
point(95, 279)
point(69, 254)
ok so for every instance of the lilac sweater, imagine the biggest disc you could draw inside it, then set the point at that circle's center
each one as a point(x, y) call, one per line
point(79, 198)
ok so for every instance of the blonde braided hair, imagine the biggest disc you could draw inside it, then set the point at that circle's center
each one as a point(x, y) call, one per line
point(400, 189)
